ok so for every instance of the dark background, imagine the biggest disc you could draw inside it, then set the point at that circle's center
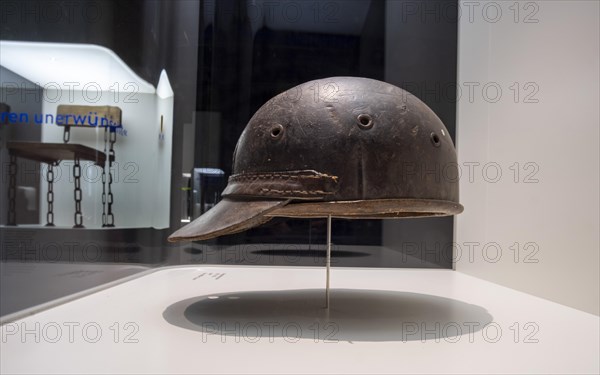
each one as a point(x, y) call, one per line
point(225, 59)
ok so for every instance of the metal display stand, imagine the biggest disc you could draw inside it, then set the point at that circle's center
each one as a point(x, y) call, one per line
point(328, 262)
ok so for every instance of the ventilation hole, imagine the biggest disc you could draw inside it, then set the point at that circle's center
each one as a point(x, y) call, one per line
point(365, 121)
point(435, 140)
point(276, 131)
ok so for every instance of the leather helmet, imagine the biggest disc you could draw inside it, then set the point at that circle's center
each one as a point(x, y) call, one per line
point(342, 146)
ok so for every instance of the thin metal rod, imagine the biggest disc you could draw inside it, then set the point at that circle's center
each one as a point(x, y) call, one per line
point(309, 234)
point(328, 261)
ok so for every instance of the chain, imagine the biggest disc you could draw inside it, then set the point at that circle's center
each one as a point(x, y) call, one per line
point(67, 134)
point(77, 194)
point(110, 217)
point(12, 191)
point(50, 194)
point(104, 180)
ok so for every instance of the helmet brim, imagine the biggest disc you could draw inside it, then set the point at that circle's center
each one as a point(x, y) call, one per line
point(233, 215)
point(229, 216)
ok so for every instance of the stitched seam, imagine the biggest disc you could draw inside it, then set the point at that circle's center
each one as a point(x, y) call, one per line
point(279, 176)
point(254, 177)
point(316, 192)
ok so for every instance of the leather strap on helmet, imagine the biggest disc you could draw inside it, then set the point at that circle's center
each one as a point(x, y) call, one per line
point(306, 184)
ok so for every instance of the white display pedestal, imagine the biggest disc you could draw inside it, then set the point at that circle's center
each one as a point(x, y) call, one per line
point(240, 319)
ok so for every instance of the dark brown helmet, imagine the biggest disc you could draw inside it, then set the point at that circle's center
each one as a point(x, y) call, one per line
point(343, 146)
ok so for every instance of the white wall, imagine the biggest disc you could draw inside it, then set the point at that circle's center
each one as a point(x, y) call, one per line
point(557, 216)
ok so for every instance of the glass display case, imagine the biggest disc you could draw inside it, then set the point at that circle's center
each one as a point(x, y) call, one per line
point(120, 124)
point(106, 113)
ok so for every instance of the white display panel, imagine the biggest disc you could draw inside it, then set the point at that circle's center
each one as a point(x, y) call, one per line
point(381, 321)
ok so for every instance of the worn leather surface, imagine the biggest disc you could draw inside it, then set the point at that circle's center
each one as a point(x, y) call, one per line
point(371, 145)
point(296, 184)
point(368, 209)
point(227, 217)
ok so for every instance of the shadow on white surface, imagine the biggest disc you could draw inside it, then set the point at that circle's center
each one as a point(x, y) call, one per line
point(301, 253)
point(354, 315)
